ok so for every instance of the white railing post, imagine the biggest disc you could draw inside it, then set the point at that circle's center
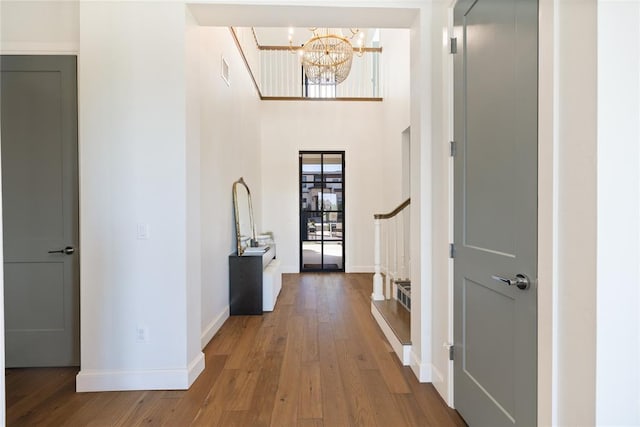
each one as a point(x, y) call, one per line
point(402, 273)
point(377, 277)
point(384, 253)
point(392, 267)
point(388, 270)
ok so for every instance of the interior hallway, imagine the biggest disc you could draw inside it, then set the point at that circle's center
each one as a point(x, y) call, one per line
point(318, 360)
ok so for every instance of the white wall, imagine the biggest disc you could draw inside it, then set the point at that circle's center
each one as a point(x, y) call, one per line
point(193, 187)
point(431, 314)
point(422, 142)
point(250, 49)
point(576, 204)
point(547, 215)
point(230, 149)
point(396, 85)
point(567, 199)
point(355, 127)
point(618, 291)
point(370, 133)
point(133, 161)
point(441, 302)
point(39, 27)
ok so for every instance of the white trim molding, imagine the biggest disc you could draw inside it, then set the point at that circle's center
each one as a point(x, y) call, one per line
point(403, 351)
point(359, 269)
point(213, 327)
point(160, 379)
point(423, 371)
point(33, 48)
point(290, 269)
point(196, 367)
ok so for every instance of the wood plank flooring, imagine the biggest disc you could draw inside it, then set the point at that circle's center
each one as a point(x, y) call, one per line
point(397, 317)
point(318, 360)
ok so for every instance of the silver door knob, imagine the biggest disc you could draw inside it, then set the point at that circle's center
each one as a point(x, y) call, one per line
point(67, 251)
point(521, 281)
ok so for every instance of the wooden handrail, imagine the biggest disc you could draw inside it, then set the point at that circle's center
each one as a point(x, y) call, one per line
point(394, 212)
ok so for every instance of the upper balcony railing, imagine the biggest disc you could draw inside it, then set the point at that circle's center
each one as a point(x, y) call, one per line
point(278, 75)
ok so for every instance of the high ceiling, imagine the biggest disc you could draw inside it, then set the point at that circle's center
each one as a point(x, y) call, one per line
point(302, 16)
point(279, 36)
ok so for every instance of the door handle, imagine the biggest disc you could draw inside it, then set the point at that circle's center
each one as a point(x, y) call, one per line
point(521, 281)
point(67, 251)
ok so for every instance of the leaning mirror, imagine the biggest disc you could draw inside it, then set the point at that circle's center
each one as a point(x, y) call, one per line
point(245, 228)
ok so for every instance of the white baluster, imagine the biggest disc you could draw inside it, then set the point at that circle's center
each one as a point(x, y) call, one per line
point(387, 249)
point(377, 277)
point(389, 256)
point(402, 272)
point(395, 249)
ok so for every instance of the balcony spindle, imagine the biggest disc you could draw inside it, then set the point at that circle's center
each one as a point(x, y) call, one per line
point(377, 276)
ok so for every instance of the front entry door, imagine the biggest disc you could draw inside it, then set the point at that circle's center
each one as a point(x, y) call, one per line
point(495, 295)
point(40, 210)
point(322, 211)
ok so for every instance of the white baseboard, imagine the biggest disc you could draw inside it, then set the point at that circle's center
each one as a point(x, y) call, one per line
point(290, 269)
point(213, 327)
point(294, 269)
point(161, 379)
point(422, 371)
point(442, 386)
point(196, 367)
point(436, 375)
point(402, 351)
point(360, 269)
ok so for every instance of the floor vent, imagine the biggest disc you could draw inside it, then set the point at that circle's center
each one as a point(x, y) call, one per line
point(404, 293)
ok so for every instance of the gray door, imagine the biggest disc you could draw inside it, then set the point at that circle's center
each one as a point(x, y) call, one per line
point(40, 210)
point(495, 97)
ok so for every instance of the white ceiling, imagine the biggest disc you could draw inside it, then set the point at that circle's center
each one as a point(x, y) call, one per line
point(270, 36)
point(302, 16)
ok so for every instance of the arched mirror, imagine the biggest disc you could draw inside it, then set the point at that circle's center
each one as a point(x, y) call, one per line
point(245, 227)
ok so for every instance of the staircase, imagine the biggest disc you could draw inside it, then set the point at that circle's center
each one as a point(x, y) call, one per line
point(391, 297)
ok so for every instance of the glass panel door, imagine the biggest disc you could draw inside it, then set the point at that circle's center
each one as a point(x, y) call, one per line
point(322, 211)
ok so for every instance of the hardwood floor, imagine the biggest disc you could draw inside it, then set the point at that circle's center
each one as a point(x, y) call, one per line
point(397, 317)
point(318, 360)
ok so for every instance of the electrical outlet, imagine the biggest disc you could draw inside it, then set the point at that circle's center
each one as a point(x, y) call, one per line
point(142, 231)
point(142, 335)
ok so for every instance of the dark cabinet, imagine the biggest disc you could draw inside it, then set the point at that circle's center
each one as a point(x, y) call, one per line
point(252, 278)
point(245, 284)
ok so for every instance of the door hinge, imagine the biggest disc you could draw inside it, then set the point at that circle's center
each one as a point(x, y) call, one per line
point(451, 352)
point(452, 251)
point(452, 148)
point(453, 45)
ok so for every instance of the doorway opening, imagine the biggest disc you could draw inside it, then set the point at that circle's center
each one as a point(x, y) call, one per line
point(321, 211)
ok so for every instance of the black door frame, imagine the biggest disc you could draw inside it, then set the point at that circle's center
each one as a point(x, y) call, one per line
point(301, 215)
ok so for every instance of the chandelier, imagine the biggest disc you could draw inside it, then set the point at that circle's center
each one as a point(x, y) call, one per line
point(326, 57)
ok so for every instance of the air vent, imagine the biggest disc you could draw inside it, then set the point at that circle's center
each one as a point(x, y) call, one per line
point(224, 71)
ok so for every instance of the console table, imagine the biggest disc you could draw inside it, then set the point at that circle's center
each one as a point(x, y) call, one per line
point(254, 282)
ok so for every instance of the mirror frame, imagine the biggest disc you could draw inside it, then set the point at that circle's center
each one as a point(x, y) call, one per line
point(237, 215)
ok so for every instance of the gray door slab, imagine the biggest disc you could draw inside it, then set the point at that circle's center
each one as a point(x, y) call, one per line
point(40, 210)
point(495, 204)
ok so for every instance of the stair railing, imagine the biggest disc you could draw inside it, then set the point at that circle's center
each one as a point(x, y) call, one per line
point(391, 244)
